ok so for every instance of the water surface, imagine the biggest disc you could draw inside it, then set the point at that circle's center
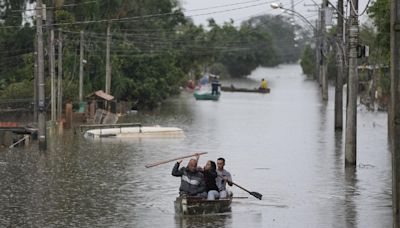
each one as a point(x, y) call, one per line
point(281, 145)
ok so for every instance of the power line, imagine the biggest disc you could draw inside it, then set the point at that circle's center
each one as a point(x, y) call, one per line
point(149, 16)
point(50, 7)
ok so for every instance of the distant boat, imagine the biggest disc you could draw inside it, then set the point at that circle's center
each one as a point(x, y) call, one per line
point(206, 95)
point(199, 206)
point(234, 89)
point(134, 132)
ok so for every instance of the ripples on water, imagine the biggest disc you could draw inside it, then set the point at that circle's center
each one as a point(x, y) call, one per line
point(280, 144)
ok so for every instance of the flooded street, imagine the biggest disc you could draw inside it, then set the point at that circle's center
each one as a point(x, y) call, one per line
point(281, 144)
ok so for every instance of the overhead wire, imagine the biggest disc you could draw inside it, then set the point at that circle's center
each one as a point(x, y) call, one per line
point(355, 12)
point(165, 41)
point(151, 16)
point(59, 7)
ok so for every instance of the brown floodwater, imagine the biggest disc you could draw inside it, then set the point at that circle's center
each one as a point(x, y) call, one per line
point(281, 144)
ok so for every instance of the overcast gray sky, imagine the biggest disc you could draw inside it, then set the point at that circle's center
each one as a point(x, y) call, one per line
point(240, 10)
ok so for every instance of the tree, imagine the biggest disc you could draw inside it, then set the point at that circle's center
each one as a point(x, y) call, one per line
point(154, 47)
point(307, 62)
point(283, 35)
point(378, 12)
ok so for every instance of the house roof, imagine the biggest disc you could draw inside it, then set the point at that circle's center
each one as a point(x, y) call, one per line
point(101, 94)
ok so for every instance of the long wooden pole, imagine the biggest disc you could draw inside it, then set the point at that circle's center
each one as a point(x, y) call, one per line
point(394, 114)
point(35, 86)
point(324, 69)
point(81, 67)
point(174, 159)
point(108, 64)
point(60, 72)
point(351, 114)
point(52, 65)
point(340, 69)
point(52, 75)
point(41, 95)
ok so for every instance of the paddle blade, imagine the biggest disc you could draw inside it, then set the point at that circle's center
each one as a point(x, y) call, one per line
point(256, 194)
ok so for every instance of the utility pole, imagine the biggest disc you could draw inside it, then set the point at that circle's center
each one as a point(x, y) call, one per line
point(35, 82)
point(319, 41)
point(351, 112)
point(108, 65)
point(292, 12)
point(59, 80)
point(324, 69)
point(41, 95)
point(81, 68)
point(395, 107)
point(317, 48)
point(340, 69)
point(393, 73)
point(52, 64)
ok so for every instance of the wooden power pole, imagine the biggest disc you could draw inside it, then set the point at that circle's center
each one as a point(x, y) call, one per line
point(52, 64)
point(35, 82)
point(351, 112)
point(395, 107)
point(41, 94)
point(108, 65)
point(59, 79)
point(317, 50)
point(324, 70)
point(81, 68)
point(340, 69)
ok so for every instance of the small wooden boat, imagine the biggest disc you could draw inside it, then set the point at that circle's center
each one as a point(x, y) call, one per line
point(206, 95)
point(134, 132)
point(197, 206)
point(234, 89)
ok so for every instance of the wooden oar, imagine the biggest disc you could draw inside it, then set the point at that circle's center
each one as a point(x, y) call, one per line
point(255, 194)
point(174, 159)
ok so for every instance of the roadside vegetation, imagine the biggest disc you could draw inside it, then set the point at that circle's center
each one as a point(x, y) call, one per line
point(152, 57)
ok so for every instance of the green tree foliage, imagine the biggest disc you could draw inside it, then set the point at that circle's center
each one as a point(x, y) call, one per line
point(154, 47)
point(378, 39)
point(283, 35)
point(308, 62)
point(241, 50)
point(15, 43)
point(379, 12)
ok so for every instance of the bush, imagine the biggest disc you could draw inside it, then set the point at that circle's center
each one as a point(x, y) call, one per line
point(307, 62)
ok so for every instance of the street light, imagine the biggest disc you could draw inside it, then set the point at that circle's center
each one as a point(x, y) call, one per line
point(276, 5)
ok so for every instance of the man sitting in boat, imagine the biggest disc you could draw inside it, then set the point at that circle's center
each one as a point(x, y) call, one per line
point(223, 177)
point(263, 85)
point(210, 175)
point(192, 180)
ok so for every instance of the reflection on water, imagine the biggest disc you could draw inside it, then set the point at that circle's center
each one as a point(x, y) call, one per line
point(223, 220)
point(352, 193)
point(281, 145)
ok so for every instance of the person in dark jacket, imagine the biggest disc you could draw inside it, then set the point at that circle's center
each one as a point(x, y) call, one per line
point(192, 180)
point(214, 86)
point(210, 173)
